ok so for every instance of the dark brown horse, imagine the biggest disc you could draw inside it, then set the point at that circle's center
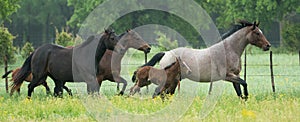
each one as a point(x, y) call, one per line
point(110, 64)
point(66, 65)
point(166, 79)
point(28, 79)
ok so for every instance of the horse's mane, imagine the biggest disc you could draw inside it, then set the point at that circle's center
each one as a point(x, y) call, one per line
point(169, 66)
point(236, 27)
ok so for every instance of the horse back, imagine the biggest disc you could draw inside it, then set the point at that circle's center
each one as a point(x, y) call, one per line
point(54, 60)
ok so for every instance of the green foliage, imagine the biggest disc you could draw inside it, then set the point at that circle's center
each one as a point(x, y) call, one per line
point(81, 11)
point(64, 38)
point(8, 7)
point(27, 49)
point(265, 11)
point(291, 36)
point(6, 46)
point(36, 19)
point(165, 43)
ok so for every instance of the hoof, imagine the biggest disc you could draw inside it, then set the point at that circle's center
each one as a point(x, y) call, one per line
point(48, 92)
point(121, 93)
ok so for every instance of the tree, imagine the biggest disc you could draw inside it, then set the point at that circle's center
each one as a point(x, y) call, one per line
point(6, 46)
point(81, 11)
point(8, 7)
point(27, 49)
point(36, 20)
point(64, 38)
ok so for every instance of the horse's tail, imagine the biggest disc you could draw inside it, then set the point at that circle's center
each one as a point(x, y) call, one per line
point(156, 58)
point(6, 74)
point(24, 72)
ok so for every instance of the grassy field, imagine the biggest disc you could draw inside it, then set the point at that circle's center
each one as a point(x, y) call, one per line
point(192, 104)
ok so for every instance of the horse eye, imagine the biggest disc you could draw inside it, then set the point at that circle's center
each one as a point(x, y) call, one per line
point(257, 33)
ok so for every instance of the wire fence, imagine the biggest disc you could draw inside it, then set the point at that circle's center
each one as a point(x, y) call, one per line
point(246, 67)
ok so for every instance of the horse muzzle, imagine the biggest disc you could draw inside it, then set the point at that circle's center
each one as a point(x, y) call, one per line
point(267, 47)
point(145, 49)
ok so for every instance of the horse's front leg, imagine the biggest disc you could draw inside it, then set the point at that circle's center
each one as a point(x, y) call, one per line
point(122, 80)
point(158, 90)
point(237, 81)
point(93, 87)
point(134, 89)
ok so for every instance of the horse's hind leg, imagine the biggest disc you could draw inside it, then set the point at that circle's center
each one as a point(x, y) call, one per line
point(68, 90)
point(47, 87)
point(237, 81)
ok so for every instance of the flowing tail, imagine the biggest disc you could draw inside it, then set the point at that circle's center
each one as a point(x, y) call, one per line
point(24, 72)
point(6, 74)
point(156, 58)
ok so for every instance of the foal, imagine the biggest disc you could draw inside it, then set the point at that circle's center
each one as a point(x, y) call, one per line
point(166, 78)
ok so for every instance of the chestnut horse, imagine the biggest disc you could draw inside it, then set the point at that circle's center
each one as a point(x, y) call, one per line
point(110, 64)
point(166, 79)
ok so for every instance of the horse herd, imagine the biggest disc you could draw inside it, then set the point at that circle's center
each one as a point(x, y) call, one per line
point(221, 61)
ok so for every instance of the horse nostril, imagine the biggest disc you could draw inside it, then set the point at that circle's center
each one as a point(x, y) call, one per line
point(268, 45)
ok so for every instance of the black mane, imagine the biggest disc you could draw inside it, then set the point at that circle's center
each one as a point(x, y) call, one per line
point(236, 27)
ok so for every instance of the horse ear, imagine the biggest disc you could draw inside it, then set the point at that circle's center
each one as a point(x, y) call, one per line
point(128, 30)
point(105, 30)
point(254, 25)
point(257, 24)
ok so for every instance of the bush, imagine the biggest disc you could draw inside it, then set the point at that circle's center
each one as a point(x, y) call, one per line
point(291, 36)
point(165, 43)
point(6, 46)
point(27, 49)
point(64, 38)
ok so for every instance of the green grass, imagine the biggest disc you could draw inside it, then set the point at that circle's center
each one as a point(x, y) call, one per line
point(262, 105)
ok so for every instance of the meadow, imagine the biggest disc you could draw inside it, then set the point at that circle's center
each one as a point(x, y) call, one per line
point(192, 104)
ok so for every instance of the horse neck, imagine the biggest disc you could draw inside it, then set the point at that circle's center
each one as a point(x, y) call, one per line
point(174, 69)
point(118, 56)
point(101, 48)
point(237, 42)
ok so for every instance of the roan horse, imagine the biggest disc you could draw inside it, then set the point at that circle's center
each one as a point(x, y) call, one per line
point(110, 64)
point(29, 79)
point(56, 62)
point(205, 69)
point(166, 79)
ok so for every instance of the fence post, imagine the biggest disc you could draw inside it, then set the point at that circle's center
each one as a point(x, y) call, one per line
point(5, 70)
point(145, 58)
point(245, 66)
point(272, 75)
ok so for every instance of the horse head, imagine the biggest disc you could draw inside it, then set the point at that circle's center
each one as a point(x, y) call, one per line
point(257, 38)
point(111, 41)
point(131, 39)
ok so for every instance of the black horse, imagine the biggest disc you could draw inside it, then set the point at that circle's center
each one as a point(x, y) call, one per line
point(66, 65)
